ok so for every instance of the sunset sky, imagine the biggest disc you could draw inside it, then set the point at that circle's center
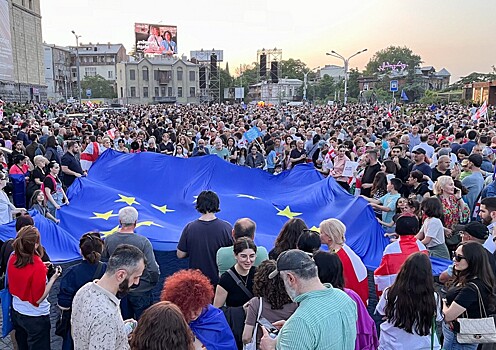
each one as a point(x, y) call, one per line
point(457, 34)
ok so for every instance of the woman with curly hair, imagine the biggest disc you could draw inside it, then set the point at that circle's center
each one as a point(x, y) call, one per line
point(288, 237)
point(275, 302)
point(162, 327)
point(192, 292)
point(409, 307)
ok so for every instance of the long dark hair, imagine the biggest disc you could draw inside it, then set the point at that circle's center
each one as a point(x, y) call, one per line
point(379, 183)
point(330, 268)
point(478, 267)
point(271, 289)
point(91, 246)
point(411, 303)
point(288, 237)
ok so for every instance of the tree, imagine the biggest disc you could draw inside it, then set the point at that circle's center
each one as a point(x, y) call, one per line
point(226, 81)
point(472, 77)
point(393, 55)
point(353, 86)
point(292, 69)
point(100, 87)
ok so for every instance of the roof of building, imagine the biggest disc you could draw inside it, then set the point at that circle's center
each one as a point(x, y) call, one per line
point(162, 60)
point(444, 72)
point(89, 49)
point(53, 46)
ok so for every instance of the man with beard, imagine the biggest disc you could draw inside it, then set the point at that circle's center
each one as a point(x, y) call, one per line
point(372, 168)
point(96, 319)
point(139, 298)
point(487, 213)
point(326, 316)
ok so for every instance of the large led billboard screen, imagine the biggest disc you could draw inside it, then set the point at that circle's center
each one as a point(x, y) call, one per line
point(155, 38)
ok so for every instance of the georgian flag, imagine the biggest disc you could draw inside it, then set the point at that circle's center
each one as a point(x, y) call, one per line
point(355, 273)
point(482, 111)
point(1, 110)
point(393, 257)
point(90, 155)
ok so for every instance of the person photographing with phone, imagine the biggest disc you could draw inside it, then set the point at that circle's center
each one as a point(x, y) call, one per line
point(326, 317)
point(29, 284)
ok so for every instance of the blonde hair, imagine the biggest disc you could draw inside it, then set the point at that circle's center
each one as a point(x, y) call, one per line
point(39, 158)
point(440, 183)
point(334, 229)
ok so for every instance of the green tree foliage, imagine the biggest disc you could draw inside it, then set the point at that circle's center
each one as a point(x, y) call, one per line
point(394, 54)
point(293, 69)
point(226, 81)
point(324, 89)
point(353, 86)
point(100, 87)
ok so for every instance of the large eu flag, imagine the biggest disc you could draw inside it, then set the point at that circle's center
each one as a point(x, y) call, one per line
point(164, 189)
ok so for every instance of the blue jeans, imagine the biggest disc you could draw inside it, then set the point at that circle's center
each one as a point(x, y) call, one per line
point(450, 342)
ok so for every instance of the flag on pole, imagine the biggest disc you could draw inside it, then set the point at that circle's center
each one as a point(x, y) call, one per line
point(482, 111)
point(252, 134)
point(404, 97)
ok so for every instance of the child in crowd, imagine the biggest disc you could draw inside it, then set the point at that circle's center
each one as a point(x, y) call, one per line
point(387, 203)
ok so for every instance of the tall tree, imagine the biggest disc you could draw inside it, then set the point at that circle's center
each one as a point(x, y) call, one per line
point(100, 87)
point(353, 86)
point(292, 69)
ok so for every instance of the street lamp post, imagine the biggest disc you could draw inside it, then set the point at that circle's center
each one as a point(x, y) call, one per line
point(346, 62)
point(77, 65)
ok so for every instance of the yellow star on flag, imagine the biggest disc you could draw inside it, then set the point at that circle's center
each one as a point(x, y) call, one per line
point(127, 200)
point(287, 212)
point(108, 233)
point(147, 223)
point(314, 228)
point(104, 216)
point(163, 209)
point(247, 196)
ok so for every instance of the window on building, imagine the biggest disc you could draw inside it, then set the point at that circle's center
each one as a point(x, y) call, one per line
point(179, 92)
point(90, 71)
point(122, 91)
point(133, 91)
point(157, 91)
point(30, 4)
point(192, 91)
point(95, 59)
point(155, 75)
point(162, 91)
point(102, 59)
point(145, 73)
point(132, 74)
point(110, 74)
point(74, 72)
point(192, 75)
point(23, 3)
point(179, 74)
point(120, 74)
point(145, 91)
point(169, 91)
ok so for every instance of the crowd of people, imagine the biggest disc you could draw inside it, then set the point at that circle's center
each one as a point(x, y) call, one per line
point(427, 173)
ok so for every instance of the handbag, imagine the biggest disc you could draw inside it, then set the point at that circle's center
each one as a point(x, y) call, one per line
point(6, 300)
point(63, 324)
point(253, 344)
point(477, 330)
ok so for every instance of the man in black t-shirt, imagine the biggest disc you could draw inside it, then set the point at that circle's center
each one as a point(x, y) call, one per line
point(201, 238)
point(418, 188)
point(71, 167)
point(372, 168)
point(298, 155)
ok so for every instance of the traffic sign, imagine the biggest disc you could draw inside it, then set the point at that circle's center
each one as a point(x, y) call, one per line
point(393, 85)
point(88, 92)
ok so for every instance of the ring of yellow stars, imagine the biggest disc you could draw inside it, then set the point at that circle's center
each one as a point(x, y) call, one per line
point(163, 208)
point(287, 212)
point(127, 200)
point(247, 196)
point(104, 216)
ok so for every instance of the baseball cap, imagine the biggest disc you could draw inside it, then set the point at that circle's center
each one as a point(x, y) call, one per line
point(370, 144)
point(419, 151)
point(293, 259)
point(475, 229)
point(407, 225)
point(487, 151)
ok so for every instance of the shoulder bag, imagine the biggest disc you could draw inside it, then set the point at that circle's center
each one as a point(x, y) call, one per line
point(240, 284)
point(477, 330)
point(6, 300)
point(253, 344)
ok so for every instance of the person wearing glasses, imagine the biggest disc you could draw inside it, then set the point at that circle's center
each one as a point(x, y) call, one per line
point(474, 284)
point(7, 209)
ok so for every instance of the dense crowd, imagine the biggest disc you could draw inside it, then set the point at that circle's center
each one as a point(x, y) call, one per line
point(426, 171)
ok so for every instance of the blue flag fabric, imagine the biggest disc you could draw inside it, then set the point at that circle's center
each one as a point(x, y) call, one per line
point(60, 245)
point(163, 189)
point(212, 330)
point(404, 97)
point(252, 134)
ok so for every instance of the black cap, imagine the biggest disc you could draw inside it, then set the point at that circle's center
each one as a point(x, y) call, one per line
point(293, 259)
point(476, 229)
point(419, 151)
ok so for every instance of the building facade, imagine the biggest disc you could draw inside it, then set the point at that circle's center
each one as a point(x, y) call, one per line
point(97, 59)
point(282, 92)
point(335, 72)
point(22, 76)
point(159, 79)
point(57, 62)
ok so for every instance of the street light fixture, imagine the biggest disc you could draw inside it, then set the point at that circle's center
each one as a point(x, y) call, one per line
point(77, 65)
point(346, 62)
